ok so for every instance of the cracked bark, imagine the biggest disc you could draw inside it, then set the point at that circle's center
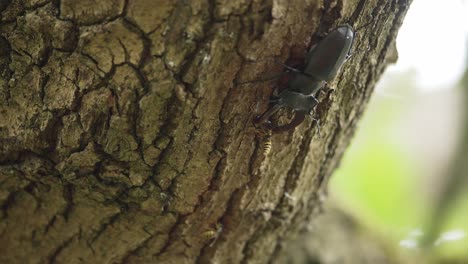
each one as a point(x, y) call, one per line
point(124, 139)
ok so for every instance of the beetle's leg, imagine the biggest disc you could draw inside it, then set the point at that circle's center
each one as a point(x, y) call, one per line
point(317, 122)
point(288, 67)
point(322, 90)
point(315, 99)
point(269, 78)
point(294, 69)
point(318, 127)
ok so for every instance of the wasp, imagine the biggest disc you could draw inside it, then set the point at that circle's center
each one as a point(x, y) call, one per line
point(264, 137)
point(267, 143)
point(213, 234)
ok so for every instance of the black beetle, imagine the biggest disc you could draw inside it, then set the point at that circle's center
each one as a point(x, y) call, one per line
point(322, 64)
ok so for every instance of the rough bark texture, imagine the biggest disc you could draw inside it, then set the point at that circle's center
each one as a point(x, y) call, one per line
point(123, 137)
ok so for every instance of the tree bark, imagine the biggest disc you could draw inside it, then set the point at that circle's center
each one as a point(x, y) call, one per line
point(123, 137)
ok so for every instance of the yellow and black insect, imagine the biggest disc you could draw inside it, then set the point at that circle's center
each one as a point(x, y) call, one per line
point(213, 234)
point(264, 136)
point(267, 143)
point(210, 234)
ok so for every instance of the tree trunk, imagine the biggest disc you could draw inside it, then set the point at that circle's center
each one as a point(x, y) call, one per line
point(123, 137)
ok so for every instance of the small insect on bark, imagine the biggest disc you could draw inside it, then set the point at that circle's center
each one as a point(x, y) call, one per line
point(267, 142)
point(267, 145)
point(213, 234)
point(264, 135)
point(321, 64)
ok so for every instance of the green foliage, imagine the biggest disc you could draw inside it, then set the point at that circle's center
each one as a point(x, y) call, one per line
point(383, 185)
point(375, 180)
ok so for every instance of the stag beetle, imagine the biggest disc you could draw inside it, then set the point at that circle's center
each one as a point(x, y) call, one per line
point(321, 64)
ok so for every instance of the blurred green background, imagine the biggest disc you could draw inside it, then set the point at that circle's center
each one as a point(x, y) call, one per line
point(394, 176)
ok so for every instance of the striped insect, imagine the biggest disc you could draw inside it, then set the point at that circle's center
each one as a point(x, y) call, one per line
point(213, 234)
point(266, 146)
point(264, 138)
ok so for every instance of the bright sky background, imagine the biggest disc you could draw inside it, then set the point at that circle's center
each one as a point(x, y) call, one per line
point(433, 40)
